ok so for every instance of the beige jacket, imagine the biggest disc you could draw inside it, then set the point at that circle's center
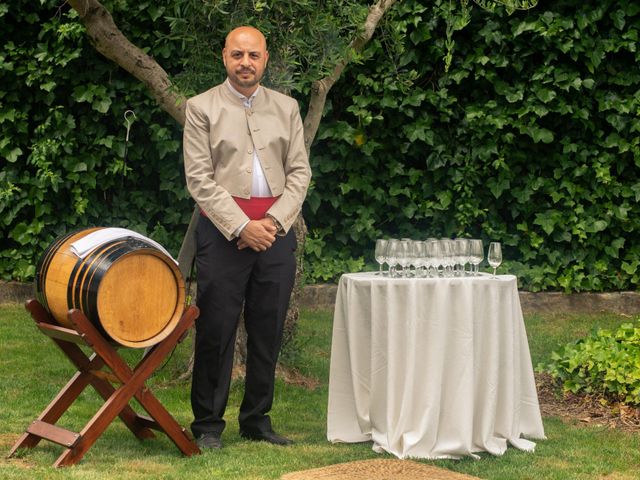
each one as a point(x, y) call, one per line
point(219, 137)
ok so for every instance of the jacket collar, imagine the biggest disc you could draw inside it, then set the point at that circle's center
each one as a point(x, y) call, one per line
point(238, 97)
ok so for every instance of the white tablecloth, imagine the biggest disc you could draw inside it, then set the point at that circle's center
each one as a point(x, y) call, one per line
point(431, 367)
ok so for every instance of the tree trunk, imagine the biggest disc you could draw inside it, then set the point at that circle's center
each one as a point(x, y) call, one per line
point(107, 39)
point(110, 42)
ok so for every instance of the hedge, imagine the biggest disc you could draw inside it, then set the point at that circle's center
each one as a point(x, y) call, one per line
point(531, 138)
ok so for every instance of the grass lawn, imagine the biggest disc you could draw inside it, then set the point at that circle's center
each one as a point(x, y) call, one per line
point(32, 371)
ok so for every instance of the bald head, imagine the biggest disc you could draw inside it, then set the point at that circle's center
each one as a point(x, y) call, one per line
point(245, 58)
point(247, 32)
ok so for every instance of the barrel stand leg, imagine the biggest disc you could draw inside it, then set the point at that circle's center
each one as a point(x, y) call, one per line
point(116, 399)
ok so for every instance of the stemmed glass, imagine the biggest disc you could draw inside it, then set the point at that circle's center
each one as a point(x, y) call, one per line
point(381, 253)
point(393, 252)
point(419, 251)
point(448, 256)
point(404, 259)
point(494, 257)
point(476, 254)
point(461, 247)
point(433, 254)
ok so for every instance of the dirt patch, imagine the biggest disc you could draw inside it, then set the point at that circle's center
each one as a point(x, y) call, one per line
point(290, 376)
point(584, 408)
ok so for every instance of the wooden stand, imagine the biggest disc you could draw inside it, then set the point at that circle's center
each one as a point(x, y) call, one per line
point(129, 383)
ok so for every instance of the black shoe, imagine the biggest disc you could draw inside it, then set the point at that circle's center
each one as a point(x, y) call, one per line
point(209, 441)
point(269, 436)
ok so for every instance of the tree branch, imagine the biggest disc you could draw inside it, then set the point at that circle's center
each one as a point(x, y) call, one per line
point(110, 42)
point(320, 88)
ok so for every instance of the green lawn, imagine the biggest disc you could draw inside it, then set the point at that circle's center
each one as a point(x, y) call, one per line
point(32, 370)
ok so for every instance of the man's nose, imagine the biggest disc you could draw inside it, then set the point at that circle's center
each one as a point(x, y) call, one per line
point(245, 59)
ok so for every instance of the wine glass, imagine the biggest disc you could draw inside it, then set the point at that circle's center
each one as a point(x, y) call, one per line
point(461, 247)
point(419, 250)
point(476, 254)
point(404, 259)
point(381, 253)
point(494, 257)
point(448, 256)
point(432, 251)
point(393, 247)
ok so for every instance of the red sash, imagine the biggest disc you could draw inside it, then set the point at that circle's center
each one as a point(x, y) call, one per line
point(255, 207)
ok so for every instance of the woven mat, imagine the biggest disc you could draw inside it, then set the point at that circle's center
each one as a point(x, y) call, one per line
point(378, 469)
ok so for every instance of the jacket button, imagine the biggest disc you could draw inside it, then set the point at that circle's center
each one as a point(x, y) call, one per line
point(248, 170)
point(250, 151)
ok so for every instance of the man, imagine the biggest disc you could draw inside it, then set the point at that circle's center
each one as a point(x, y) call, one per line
point(247, 169)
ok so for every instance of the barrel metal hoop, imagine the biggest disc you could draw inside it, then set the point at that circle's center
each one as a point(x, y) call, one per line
point(42, 268)
point(79, 275)
point(85, 279)
point(97, 271)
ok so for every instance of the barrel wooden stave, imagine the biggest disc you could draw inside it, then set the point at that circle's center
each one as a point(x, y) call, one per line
point(129, 290)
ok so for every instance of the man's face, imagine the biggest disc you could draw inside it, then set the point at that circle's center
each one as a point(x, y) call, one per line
point(245, 58)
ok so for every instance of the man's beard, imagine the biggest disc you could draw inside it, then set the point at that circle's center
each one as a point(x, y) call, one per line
point(248, 82)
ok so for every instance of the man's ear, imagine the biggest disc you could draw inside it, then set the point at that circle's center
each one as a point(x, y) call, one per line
point(224, 57)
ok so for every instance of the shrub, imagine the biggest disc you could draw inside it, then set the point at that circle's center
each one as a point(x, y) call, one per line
point(605, 362)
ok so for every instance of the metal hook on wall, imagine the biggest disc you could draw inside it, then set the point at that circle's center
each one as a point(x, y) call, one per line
point(129, 117)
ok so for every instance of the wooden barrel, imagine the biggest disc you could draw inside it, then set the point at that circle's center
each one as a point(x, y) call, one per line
point(131, 291)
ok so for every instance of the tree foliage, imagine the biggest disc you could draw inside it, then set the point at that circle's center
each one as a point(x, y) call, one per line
point(62, 141)
point(305, 39)
point(530, 137)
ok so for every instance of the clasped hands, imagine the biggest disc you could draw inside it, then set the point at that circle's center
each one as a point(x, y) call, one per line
point(258, 235)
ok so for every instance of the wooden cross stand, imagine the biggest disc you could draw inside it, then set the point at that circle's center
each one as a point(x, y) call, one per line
point(129, 384)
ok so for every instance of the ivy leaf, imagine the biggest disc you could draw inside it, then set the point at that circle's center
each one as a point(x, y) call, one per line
point(155, 11)
point(83, 93)
point(48, 86)
point(613, 250)
point(102, 105)
point(618, 19)
point(498, 186)
point(630, 267)
point(596, 226)
point(524, 27)
point(545, 95)
point(547, 220)
point(514, 96)
point(541, 135)
point(14, 154)
point(20, 234)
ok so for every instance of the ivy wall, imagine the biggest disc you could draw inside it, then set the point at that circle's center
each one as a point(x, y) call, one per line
point(531, 138)
point(62, 133)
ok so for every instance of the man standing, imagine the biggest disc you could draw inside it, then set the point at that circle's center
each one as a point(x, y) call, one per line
point(247, 169)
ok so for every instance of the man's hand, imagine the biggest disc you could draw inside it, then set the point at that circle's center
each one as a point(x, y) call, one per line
point(258, 235)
